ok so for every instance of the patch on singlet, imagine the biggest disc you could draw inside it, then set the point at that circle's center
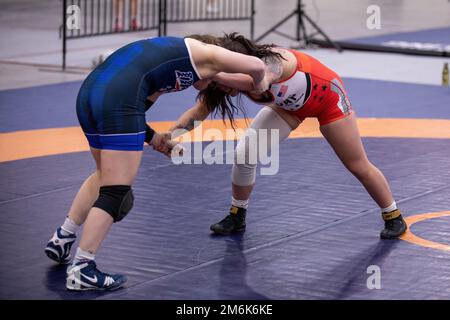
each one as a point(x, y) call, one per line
point(184, 79)
point(292, 93)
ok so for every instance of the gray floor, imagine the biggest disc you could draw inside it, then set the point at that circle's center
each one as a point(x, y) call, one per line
point(30, 45)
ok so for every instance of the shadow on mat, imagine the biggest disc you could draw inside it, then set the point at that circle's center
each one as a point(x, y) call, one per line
point(352, 275)
point(233, 272)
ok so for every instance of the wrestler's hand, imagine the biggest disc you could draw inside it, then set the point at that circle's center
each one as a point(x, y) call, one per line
point(262, 86)
point(265, 83)
point(163, 143)
point(176, 149)
point(159, 142)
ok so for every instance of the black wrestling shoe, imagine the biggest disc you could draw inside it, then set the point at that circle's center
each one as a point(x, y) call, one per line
point(394, 225)
point(234, 222)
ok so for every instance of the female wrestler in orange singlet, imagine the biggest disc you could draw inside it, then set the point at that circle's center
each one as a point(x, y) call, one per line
point(301, 87)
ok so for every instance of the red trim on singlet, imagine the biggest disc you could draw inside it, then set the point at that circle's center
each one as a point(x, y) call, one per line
point(304, 63)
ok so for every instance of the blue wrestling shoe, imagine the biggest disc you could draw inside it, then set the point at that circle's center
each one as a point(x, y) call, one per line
point(84, 275)
point(58, 248)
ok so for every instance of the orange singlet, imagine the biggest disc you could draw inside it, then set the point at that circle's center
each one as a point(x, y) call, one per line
point(312, 91)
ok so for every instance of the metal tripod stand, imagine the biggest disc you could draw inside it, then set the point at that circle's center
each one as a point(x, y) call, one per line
point(301, 34)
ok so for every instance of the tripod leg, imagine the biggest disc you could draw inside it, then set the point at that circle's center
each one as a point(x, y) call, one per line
point(302, 29)
point(315, 26)
point(281, 22)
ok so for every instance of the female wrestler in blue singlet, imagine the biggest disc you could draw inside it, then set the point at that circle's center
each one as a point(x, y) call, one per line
point(111, 108)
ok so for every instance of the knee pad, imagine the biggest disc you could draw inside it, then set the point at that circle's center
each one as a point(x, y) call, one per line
point(244, 174)
point(244, 167)
point(247, 153)
point(117, 201)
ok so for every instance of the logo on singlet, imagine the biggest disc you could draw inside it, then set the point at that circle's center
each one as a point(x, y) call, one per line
point(291, 102)
point(183, 79)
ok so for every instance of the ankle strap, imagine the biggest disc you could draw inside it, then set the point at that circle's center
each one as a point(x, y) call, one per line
point(391, 215)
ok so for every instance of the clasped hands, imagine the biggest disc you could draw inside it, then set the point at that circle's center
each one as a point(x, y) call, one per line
point(162, 142)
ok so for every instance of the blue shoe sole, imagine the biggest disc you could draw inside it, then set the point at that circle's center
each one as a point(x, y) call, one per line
point(53, 256)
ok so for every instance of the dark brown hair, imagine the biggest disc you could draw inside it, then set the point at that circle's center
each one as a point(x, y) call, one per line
point(217, 100)
point(238, 43)
point(205, 38)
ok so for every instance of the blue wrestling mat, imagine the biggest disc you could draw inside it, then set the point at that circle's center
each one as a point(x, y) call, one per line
point(312, 230)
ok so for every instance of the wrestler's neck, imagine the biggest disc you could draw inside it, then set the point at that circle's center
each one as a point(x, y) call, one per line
point(287, 66)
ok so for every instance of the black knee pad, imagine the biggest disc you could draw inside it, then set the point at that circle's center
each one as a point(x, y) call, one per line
point(116, 200)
